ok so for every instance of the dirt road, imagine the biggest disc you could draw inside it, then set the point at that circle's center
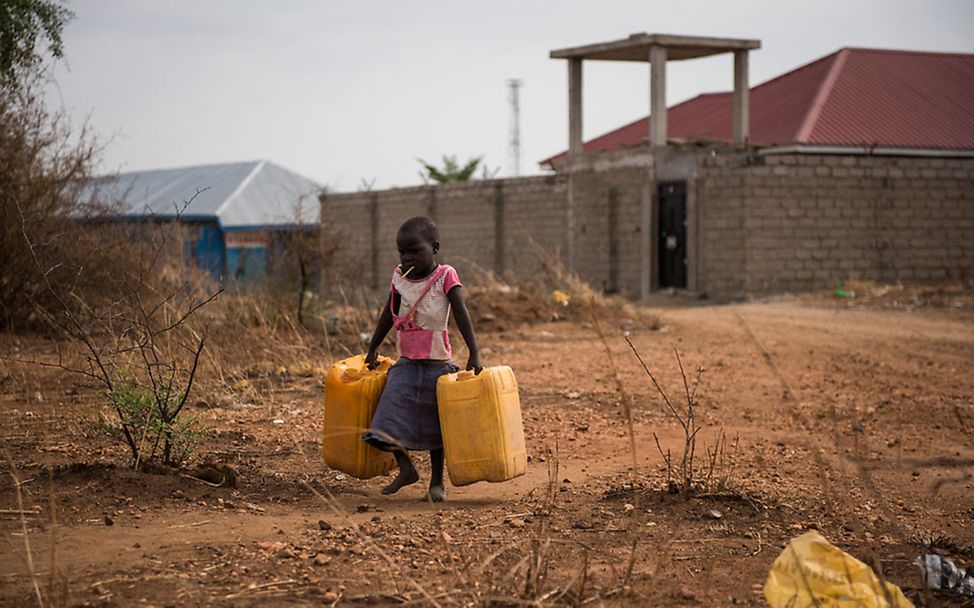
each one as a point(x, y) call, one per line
point(855, 422)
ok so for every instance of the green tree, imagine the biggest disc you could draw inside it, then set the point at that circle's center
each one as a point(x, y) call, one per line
point(23, 25)
point(451, 171)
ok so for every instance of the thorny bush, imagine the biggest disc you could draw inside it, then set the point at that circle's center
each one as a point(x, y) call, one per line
point(118, 293)
point(45, 169)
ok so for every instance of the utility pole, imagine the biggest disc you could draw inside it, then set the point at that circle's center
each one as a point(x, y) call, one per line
point(515, 142)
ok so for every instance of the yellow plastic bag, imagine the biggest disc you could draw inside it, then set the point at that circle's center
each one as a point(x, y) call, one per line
point(811, 567)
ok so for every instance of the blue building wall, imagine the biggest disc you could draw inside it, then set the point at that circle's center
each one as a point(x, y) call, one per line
point(246, 264)
point(205, 248)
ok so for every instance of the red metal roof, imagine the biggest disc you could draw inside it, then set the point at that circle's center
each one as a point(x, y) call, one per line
point(853, 97)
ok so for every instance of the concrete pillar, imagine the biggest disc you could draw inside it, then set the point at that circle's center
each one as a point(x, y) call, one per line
point(569, 242)
point(499, 235)
point(657, 95)
point(575, 106)
point(374, 237)
point(741, 101)
point(646, 241)
point(431, 206)
point(612, 285)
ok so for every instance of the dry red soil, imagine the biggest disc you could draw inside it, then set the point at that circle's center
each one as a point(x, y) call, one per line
point(855, 420)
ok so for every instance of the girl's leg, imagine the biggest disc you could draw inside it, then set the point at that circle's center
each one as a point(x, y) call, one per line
point(437, 492)
point(407, 472)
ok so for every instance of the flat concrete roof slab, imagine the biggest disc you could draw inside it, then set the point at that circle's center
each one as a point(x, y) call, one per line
point(636, 48)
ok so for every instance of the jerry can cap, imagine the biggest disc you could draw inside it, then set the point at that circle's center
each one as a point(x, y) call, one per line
point(466, 374)
point(351, 374)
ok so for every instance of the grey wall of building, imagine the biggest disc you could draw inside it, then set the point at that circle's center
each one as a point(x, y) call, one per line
point(757, 223)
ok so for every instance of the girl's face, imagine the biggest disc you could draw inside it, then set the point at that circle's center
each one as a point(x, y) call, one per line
point(417, 253)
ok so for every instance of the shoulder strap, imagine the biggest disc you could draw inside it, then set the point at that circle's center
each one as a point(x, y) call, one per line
point(439, 272)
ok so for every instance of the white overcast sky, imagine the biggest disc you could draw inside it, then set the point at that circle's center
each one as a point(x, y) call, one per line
point(348, 91)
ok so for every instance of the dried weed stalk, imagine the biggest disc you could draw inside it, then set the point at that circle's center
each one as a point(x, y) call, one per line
point(683, 476)
point(623, 394)
point(28, 553)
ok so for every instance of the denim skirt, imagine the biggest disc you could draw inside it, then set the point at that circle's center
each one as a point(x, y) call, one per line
point(407, 415)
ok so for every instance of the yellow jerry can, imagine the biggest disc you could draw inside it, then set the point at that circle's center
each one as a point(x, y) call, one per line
point(480, 416)
point(351, 395)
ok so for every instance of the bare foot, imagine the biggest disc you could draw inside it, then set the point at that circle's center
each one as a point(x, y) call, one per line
point(403, 479)
point(437, 493)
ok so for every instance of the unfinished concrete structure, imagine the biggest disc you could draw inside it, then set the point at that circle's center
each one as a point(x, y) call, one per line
point(795, 194)
point(656, 49)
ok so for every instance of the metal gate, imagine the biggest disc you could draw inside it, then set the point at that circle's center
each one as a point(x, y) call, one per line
point(673, 234)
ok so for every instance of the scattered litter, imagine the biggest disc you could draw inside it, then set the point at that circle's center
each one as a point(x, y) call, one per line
point(560, 297)
point(365, 336)
point(278, 421)
point(715, 514)
point(572, 394)
point(38, 397)
point(811, 571)
point(841, 292)
point(941, 573)
point(545, 334)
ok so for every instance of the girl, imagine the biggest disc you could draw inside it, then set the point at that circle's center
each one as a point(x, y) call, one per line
point(421, 296)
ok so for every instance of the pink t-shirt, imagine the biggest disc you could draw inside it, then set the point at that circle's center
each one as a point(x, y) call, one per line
point(422, 332)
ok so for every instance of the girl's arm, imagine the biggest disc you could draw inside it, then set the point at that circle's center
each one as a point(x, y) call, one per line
point(462, 317)
point(382, 327)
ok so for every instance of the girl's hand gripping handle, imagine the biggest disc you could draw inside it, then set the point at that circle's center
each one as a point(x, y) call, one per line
point(473, 362)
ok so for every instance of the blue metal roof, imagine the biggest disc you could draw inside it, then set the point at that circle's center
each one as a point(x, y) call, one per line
point(237, 195)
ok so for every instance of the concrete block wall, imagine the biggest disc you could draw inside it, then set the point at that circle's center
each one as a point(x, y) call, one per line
point(722, 246)
point(801, 222)
point(465, 214)
point(608, 227)
point(534, 210)
point(762, 223)
point(485, 226)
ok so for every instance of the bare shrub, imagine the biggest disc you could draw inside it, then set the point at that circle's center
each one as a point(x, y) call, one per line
point(682, 472)
point(140, 346)
point(46, 165)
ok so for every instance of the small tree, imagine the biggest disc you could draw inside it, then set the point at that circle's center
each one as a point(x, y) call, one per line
point(23, 23)
point(141, 345)
point(451, 171)
point(103, 286)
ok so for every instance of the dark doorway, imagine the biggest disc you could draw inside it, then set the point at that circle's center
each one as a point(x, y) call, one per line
point(673, 234)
